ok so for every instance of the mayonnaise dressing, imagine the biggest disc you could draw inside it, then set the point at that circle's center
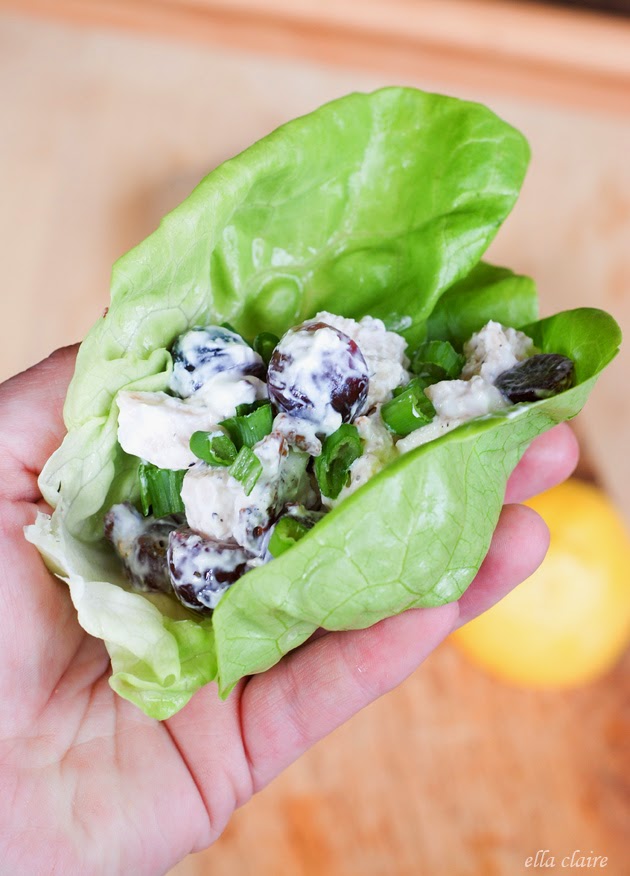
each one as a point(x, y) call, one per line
point(383, 351)
point(489, 352)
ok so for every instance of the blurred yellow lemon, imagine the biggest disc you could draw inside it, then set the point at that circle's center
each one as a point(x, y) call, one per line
point(570, 621)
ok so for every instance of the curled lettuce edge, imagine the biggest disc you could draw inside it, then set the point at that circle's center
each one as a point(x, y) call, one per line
point(354, 206)
point(160, 654)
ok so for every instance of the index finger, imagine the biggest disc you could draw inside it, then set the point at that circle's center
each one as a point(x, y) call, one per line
point(316, 688)
point(549, 460)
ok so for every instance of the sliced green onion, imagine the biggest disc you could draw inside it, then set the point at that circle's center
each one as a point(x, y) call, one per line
point(332, 466)
point(409, 410)
point(430, 373)
point(160, 490)
point(420, 383)
point(249, 407)
point(246, 468)
point(264, 344)
point(285, 533)
point(215, 448)
point(248, 429)
point(437, 359)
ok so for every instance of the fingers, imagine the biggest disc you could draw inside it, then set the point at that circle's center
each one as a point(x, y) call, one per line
point(31, 406)
point(521, 539)
point(550, 459)
point(315, 689)
point(518, 547)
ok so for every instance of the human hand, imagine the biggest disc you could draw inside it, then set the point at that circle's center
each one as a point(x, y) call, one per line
point(89, 784)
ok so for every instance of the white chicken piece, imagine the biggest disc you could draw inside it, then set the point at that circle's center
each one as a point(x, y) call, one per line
point(157, 427)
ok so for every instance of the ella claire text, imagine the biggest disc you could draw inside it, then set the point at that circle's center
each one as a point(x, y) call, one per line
point(577, 858)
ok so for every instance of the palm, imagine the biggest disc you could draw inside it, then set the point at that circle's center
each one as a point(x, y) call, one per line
point(61, 751)
point(90, 784)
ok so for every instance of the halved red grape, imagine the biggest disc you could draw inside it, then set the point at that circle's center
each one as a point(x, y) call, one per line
point(317, 373)
point(202, 353)
point(202, 569)
point(141, 543)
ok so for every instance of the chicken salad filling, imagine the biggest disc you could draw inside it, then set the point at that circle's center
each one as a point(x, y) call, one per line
point(254, 443)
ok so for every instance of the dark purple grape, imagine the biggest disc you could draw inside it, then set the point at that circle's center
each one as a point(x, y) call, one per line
point(202, 353)
point(202, 569)
point(315, 370)
point(538, 377)
point(141, 544)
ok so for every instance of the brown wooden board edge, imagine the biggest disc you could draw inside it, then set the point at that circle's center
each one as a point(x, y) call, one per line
point(399, 45)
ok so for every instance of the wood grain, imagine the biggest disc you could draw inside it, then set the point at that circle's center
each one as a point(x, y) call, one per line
point(453, 774)
point(449, 774)
point(576, 57)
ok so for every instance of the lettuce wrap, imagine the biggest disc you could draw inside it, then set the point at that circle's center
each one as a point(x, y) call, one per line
point(379, 204)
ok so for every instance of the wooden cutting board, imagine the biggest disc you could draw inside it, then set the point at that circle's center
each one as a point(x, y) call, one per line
point(453, 774)
point(577, 57)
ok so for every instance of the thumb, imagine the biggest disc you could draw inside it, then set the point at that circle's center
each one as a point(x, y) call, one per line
point(31, 412)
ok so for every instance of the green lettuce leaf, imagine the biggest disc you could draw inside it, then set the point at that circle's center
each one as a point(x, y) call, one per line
point(487, 292)
point(415, 534)
point(160, 653)
point(379, 204)
point(374, 203)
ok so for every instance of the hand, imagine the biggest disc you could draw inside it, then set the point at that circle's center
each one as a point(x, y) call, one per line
point(89, 784)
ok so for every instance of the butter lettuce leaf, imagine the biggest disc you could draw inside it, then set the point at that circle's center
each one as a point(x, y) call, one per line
point(415, 534)
point(487, 292)
point(374, 203)
point(161, 653)
point(378, 204)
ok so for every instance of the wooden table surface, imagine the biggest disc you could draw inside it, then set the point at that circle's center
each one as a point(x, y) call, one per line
point(514, 46)
point(452, 773)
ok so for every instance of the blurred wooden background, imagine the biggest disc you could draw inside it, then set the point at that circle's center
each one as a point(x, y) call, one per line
point(107, 123)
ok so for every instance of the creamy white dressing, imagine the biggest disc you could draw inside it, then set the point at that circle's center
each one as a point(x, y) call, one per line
point(224, 393)
point(211, 498)
point(157, 427)
point(216, 504)
point(383, 351)
point(464, 399)
point(192, 567)
point(489, 352)
point(298, 433)
point(495, 349)
point(305, 352)
point(205, 354)
point(199, 565)
point(126, 525)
